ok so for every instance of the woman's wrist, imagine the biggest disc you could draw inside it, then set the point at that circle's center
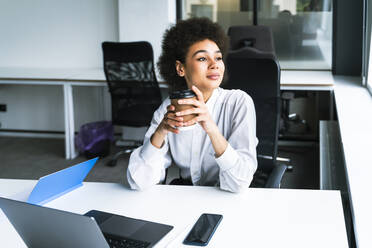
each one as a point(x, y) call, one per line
point(161, 130)
point(157, 139)
point(212, 129)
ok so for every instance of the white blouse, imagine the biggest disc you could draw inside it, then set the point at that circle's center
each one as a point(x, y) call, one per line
point(192, 151)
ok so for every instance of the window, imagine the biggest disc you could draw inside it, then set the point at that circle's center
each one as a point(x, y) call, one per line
point(302, 29)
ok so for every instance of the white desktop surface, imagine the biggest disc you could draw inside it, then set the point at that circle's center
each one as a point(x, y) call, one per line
point(354, 111)
point(35, 73)
point(92, 74)
point(306, 80)
point(253, 218)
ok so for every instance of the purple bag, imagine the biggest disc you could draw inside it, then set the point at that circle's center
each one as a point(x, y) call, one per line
point(95, 138)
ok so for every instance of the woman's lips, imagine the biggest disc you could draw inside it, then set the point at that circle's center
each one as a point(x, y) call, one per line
point(213, 76)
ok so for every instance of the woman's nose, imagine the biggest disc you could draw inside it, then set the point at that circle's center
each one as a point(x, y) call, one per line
point(213, 64)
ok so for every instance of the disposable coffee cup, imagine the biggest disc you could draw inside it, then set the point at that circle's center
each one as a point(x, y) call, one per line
point(183, 94)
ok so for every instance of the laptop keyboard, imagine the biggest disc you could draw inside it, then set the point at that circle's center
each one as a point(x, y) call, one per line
point(120, 242)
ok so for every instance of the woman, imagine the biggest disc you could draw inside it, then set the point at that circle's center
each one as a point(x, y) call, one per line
point(221, 149)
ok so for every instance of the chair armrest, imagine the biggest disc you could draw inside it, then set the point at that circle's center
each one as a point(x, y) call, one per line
point(165, 178)
point(277, 158)
point(276, 176)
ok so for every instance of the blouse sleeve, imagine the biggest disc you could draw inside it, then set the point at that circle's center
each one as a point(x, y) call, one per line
point(147, 163)
point(239, 162)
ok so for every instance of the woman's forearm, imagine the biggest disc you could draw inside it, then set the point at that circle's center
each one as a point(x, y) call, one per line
point(219, 142)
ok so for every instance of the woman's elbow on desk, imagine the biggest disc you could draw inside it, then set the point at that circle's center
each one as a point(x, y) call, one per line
point(138, 183)
point(238, 178)
point(236, 189)
point(235, 186)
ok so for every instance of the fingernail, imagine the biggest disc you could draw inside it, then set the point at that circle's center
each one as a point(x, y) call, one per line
point(177, 113)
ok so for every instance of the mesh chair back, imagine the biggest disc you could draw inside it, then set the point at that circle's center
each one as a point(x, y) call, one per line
point(135, 92)
point(258, 74)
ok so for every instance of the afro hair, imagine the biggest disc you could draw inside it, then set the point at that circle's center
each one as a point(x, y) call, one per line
point(178, 39)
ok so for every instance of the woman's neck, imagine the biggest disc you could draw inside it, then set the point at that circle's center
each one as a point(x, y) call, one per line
point(207, 95)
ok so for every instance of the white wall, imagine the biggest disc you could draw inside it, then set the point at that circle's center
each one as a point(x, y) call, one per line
point(146, 20)
point(68, 34)
point(53, 34)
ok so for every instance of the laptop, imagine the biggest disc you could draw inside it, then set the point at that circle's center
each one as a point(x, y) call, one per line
point(56, 184)
point(43, 227)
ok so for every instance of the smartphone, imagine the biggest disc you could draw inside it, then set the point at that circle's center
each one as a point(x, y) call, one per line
point(203, 230)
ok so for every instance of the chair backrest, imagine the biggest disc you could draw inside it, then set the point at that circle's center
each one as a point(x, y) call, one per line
point(258, 73)
point(135, 92)
point(258, 37)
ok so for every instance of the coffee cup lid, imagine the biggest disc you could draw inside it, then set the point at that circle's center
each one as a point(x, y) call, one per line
point(182, 94)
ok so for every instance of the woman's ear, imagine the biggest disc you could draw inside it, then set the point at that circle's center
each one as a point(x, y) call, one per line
point(180, 68)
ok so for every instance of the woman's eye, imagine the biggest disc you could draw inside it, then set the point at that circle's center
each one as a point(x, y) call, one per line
point(202, 59)
point(219, 58)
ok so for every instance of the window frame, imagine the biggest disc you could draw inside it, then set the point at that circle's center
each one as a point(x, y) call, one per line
point(367, 48)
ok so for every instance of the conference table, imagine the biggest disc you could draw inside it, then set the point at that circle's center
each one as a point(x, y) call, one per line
point(94, 77)
point(252, 218)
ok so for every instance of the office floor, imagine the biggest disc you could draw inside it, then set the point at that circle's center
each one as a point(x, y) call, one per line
point(32, 158)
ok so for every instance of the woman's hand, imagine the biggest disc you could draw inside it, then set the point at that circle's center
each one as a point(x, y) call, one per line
point(169, 123)
point(219, 142)
point(201, 111)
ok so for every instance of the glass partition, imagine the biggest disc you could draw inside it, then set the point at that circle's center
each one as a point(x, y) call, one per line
point(226, 12)
point(302, 32)
point(302, 29)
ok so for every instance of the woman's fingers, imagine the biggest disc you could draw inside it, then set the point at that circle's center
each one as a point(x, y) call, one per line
point(170, 108)
point(198, 93)
point(173, 116)
point(171, 119)
point(189, 101)
point(171, 125)
point(172, 129)
point(174, 123)
point(193, 121)
point(190, 111)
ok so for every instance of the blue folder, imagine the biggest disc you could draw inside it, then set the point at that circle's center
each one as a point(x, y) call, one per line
point(59, 183)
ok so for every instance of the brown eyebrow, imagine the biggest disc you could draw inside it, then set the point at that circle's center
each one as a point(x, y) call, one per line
point(204, 51)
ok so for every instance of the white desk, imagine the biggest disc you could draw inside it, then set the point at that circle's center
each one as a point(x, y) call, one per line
point(306, 80)
point(309, 81)
point(254, 218)
point(67, 78)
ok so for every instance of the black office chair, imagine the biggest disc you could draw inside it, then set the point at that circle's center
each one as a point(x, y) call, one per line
point(135, 92)
point(253, 68)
